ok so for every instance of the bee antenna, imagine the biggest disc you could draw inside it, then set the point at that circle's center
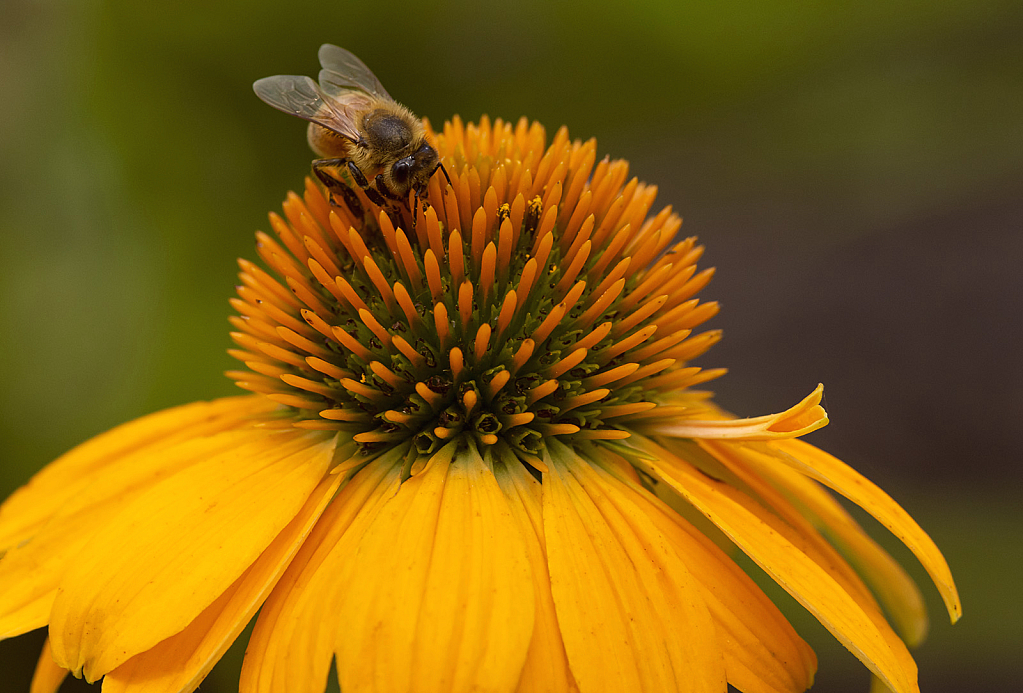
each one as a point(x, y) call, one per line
point(445, 172)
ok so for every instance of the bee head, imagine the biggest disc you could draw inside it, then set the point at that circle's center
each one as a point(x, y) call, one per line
point(413, 171)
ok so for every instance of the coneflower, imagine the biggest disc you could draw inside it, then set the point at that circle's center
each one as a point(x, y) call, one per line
point(468, 466)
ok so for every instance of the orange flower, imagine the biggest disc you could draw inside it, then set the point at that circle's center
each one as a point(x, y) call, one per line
point(471, 464)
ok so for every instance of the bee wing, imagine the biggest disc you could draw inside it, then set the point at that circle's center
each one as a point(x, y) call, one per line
point(343, 72)
point(300, 96)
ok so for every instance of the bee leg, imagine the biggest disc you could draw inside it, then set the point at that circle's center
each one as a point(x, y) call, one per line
point(357, 175)
point(336, 186)
point(420, 200)
point(375, 197)
point(320, 167)
point(360, 179)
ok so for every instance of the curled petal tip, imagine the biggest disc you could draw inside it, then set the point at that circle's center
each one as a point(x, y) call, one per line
point(805, 417)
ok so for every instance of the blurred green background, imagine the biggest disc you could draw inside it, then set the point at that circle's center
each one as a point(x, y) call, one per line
point(854, 169)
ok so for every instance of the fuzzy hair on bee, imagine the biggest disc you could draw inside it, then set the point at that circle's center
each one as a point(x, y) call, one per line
point(355, 126)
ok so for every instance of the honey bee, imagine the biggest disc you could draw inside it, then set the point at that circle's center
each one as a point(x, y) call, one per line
point(355, 125)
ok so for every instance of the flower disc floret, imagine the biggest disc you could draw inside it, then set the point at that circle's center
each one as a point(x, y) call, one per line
point(532, 296)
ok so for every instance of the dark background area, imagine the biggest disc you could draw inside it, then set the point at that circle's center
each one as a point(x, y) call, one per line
point(855, 171)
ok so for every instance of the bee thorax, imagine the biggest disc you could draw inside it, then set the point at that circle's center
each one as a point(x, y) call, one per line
point(388, 132)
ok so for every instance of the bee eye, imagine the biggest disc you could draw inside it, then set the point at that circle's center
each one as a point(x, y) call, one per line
point(401, 169)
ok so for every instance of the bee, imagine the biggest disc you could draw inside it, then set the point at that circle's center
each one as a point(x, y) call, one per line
point(355, 125)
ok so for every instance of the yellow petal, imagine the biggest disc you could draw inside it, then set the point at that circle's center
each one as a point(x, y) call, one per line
point(799, 530)
point(439, 595)
point(30, 612)
point(31, 506)
point(893, 586)
point(182, 661)
point(546, 667)
point(48, 676)
point(877, 686)
point(762, 652)
point(776, 549)
point(837, 475)
point(810, 541)
point(30, 574)
point(177, 547)
point(796, 421)
point(631, 616)
point(292, 644)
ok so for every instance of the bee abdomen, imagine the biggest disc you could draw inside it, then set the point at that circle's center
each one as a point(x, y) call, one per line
point(327, 143)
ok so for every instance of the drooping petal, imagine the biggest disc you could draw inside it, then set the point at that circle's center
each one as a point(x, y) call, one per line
point(798, 420)
point(762, 652)
point(63, 480)
point(895, 589)
point(182, 661)
point(48, 676)
point(798, 528)
point(546, 667)
point(442, 578)
point(30, 574)
point(810, 541)
point(179, 546)
point(837, 475)
point(631, 615)
point(776, 548)
point(292, 644)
